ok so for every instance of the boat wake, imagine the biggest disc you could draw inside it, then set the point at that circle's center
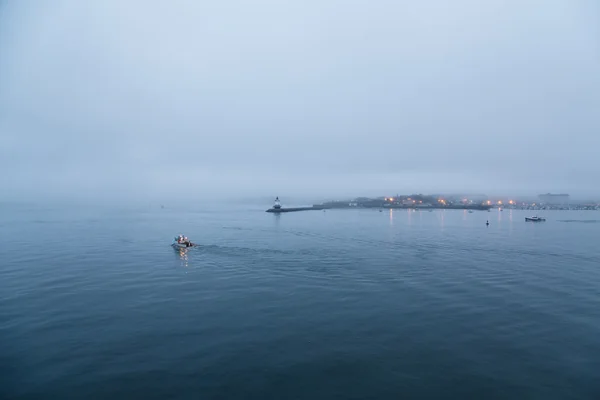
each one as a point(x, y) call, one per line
point(583, 221)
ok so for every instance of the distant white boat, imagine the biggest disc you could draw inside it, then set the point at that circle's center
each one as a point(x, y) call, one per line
point(534, 219)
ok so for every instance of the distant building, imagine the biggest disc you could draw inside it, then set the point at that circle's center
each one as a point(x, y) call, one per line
point(554, 199)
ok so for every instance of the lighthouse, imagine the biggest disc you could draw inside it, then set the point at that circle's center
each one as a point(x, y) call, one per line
point(277, 204)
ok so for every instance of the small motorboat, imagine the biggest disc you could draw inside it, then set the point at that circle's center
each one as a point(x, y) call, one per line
point(534, 219)
point(182, 245)
point(182, 242)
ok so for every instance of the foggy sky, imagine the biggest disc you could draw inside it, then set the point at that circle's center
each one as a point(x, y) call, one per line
point(314, 97)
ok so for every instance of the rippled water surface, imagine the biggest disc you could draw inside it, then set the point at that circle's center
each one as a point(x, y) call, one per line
point(353, 304)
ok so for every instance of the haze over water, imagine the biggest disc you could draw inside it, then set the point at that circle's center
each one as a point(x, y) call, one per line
point(312, 305)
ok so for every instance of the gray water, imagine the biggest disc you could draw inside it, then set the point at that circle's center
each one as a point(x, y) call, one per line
point(349, 304)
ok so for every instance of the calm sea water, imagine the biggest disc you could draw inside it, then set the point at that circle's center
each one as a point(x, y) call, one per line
point(348, 304)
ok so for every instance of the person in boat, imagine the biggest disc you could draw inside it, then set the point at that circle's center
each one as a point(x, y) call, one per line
point(184, 240)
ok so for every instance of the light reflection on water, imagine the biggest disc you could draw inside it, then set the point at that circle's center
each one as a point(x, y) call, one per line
point(183, 256)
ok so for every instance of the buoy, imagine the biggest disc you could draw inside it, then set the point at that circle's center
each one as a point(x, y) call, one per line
point(487, 223)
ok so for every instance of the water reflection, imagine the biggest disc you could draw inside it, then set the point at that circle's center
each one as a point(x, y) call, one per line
point(183, 257)
point(391, 217)
point(277, 218)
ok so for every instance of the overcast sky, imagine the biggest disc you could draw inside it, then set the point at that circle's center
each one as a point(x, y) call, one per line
point(314, 97)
